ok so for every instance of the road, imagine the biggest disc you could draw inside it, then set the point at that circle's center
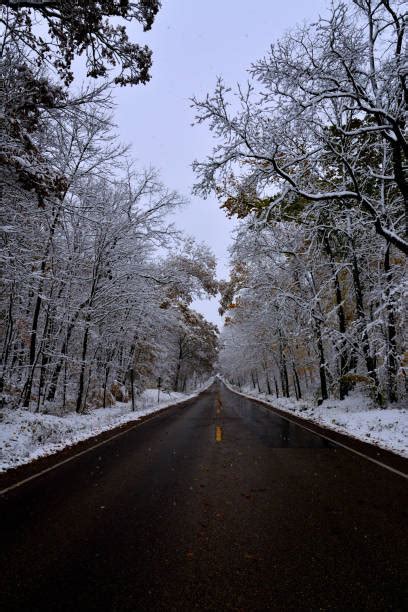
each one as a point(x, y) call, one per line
point(218, 505)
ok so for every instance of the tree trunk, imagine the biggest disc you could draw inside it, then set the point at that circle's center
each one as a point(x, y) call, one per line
point(322, 362)
point(370, 360)
point(268, 384)
point(180, 356)
point(105, 383)
point(344, 361)
point(283, 367)
point(276, 387)
point(32, 353)
point(392, 363)
point(83, 367)
point(132, 388)
point(296, 383)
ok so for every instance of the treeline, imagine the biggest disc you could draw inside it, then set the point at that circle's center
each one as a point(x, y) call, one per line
point(312, 155)
point(96, 282)
point(312, 312)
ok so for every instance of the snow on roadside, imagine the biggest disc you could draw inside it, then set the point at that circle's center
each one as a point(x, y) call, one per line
point(355, 416)
point(25, 435)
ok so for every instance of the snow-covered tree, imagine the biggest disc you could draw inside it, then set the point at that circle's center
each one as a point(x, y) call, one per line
point(96, 282)
point(322, 120)
point(315, 311)
point(312, 154)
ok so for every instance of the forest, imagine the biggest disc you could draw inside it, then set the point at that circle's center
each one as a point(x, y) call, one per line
point(96, 280)
point(311, 155)
point(203, 305)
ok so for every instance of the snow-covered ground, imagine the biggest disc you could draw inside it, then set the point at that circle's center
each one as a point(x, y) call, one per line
point(25, 435)
point(355, 416)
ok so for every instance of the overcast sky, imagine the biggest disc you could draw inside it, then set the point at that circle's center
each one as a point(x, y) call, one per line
point(193, 42)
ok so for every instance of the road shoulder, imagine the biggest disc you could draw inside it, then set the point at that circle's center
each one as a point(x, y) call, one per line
point(14, 476)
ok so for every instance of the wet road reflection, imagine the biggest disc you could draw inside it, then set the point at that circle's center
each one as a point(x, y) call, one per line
point(272, 430)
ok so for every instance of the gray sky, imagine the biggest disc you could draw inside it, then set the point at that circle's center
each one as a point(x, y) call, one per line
point(193, 42)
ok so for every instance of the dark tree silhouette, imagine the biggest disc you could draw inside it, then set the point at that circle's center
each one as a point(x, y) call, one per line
point(85, 27)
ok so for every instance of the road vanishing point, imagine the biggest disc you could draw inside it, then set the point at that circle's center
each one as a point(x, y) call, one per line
point(217, 504)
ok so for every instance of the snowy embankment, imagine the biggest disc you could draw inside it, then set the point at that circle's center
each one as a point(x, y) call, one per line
point(355, 416)
point(26, 436)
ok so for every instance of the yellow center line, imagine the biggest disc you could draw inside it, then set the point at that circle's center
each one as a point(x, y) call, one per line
point(218, 434)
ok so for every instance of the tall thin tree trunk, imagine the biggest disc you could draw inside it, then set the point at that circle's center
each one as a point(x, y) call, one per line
point(296, 382)
point(83, 368)
point(132, 388)
point(268, 384)
point(105, 383)
point(370, 360)
point(322, 362)
point(344, 360)
point(392, 363)
point(283, 367)
point(276, 387)
point(180, 356)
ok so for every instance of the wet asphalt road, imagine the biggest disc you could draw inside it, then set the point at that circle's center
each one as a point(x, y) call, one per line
point(220, 505)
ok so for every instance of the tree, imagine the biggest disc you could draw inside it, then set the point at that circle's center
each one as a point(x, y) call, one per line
point(96, 282)
point(86, 28)
point(311, 154)
point(313, 319)
point(330, 93)
point(85, 300)
point(27, 98)
point(196, 347)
